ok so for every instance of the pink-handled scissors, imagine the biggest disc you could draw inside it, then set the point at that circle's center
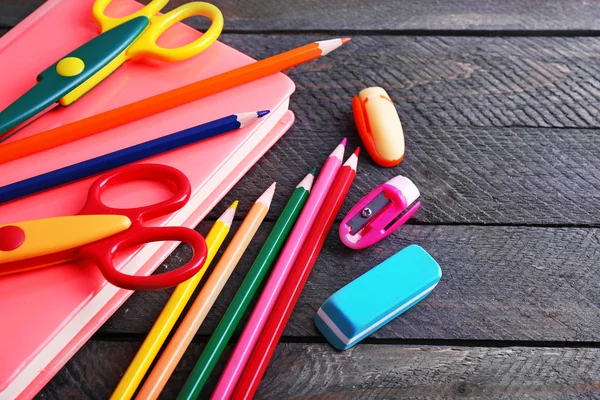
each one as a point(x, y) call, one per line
point(98, 232)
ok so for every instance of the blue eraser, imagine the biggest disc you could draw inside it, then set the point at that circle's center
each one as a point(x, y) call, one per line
point(378, 296)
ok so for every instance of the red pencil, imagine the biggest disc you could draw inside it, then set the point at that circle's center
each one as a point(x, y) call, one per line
point(294, 284)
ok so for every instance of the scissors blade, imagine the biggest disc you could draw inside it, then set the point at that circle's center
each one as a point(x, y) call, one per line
point(48, 236)
point(26, 109)
point(13, 131)
point(92, 57)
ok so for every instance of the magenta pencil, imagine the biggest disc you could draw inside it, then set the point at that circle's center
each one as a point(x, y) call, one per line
point(264, 306)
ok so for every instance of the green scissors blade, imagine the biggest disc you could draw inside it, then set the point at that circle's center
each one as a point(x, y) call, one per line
point(52, 86)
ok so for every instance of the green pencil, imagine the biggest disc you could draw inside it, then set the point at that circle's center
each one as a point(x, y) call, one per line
point(268, 253)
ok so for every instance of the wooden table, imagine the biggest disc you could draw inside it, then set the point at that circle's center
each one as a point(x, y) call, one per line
point(500, 109)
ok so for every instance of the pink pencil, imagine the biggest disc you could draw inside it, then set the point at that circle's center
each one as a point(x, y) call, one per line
point(264, 306)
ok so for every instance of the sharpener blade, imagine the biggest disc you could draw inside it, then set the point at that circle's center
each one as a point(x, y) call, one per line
point(368, 213)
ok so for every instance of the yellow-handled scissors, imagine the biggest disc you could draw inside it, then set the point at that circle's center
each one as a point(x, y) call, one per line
point(121, 39)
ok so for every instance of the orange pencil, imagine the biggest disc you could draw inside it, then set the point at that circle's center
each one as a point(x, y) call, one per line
point(206, 298)
point(165, 101)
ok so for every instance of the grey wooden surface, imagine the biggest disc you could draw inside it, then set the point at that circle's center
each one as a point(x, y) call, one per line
point(370, 371)
point(499, 102)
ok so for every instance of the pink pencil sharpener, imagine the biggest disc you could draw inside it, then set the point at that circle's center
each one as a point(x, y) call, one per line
point(380, 213)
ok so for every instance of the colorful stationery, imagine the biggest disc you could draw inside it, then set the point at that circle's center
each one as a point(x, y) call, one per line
point(269, 251)
point(380, 213)
point(167, 100)
point(206, 298)
point(171, 312)
point(125, 156)
point(294, 284)
point(98, 231)
point(379, 126)
point(67, 303)
point(280, 272)
point(377, 297)
point(121, 39)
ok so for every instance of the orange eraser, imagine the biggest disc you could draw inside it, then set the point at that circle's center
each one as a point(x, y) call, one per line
point(379, 126)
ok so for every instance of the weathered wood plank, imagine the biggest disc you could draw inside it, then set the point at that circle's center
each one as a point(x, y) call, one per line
point(466, 174)
point(447, 81)
point(449, 91)
point(425, 15)
point(386, 15)
point(316, 371)
point(499, 283)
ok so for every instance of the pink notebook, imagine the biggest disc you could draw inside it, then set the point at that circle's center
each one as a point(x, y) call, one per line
point(48, 314)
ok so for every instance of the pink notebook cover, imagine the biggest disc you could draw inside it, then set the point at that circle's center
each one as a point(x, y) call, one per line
point(48, 314)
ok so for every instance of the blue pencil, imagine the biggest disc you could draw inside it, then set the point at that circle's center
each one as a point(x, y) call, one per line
point(125, 156)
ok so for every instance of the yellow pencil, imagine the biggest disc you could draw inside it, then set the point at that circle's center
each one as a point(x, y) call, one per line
point(206, 298)
point(171, 312)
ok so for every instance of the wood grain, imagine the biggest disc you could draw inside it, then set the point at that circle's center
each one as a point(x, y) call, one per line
point(469, 108)
point(384, 15)
point(448, 81)
point(487, 124)
point(317, 371)
point(465, 175)
point(499, 283)
point(499, 130)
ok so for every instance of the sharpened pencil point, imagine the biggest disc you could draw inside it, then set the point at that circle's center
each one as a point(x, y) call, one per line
point(267, 196)
point(262, 113)
point(339, 150)
point(327, 46)
point(307, 182)
point(346, 40)
point(227, 217)
point(357, 151)
point(314, 171)
point(249, 117)
point(352, 161)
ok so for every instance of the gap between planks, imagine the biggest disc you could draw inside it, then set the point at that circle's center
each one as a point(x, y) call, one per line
point(200, 339)
point(340, 217)
point(418, 32)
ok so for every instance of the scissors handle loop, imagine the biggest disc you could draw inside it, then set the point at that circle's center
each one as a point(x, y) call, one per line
point(106, 22)
point(145, 45)
point(102, 254)
point(176, 179)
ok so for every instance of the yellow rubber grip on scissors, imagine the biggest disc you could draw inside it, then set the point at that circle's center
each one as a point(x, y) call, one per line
point(146, 45)
point(106, 22)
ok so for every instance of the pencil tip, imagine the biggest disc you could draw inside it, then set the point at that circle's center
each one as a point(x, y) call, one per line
point(352, 161)
point(338, 152)
point(267, 196)
point(327, 46)
point(346, 40)
point(308, 180)
point(249, 117)
point(313, 171)
point(227, 217)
